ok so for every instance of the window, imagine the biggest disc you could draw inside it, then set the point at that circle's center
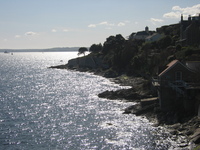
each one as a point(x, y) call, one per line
point(178, 75)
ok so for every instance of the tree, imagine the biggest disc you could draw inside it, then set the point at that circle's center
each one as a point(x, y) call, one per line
point(113, 43)
point(82, 50)
point(165, 41)
point(178, 47)
point(95, 48)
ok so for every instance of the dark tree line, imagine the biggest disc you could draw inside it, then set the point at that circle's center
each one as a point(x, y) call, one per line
point(141, 57)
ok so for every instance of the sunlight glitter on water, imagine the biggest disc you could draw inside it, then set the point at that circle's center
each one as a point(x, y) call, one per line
point(44, 108)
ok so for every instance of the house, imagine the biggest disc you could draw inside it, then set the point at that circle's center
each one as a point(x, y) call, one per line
point(154, 37)
point(141, 35)
point(193, 65)
point(190, 30)
point(176, 88)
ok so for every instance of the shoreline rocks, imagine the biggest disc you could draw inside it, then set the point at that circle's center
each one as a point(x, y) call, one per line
point(176, 123)
point(126, 94)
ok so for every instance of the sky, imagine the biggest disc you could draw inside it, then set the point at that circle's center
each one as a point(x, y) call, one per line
point(36, 24)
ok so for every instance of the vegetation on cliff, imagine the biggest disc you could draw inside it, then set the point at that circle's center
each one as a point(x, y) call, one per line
point(138, 57)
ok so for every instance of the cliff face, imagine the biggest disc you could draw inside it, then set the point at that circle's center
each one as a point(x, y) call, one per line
point(87, 62)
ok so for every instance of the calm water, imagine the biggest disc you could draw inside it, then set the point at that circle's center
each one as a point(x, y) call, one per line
point(52, 109)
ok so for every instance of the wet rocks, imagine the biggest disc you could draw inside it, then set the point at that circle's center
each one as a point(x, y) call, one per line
point(137, 109)
point(196, 136)
point(59, 67)
point(190, 129)
point(127, 94)
point(132, 109)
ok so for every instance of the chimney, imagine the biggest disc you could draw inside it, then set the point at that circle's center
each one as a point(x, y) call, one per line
point(199, 17)
point(181, 17)
point(189, 18)
point(147, 29)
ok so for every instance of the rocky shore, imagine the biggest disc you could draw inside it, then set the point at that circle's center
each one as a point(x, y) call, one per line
point(177, 123)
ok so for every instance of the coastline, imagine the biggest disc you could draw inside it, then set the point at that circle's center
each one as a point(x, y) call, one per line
point(178, 126)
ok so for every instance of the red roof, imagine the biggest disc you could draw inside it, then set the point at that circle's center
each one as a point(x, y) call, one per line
point(169, 66)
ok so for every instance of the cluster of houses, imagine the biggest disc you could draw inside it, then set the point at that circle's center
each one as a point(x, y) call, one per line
point(189, 32)
point(149, 36)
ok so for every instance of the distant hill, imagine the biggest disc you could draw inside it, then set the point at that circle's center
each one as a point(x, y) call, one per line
point(57, 49)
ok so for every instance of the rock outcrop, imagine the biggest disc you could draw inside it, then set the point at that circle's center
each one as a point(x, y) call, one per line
point(91, 62)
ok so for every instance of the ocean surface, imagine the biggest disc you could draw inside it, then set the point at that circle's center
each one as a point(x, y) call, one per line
point(52, 109)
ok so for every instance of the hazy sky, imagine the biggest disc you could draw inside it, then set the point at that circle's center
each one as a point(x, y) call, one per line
point(73, 23)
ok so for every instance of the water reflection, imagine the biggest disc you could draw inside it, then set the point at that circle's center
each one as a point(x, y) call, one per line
point(44, 108)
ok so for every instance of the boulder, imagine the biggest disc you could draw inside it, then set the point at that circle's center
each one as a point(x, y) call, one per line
point(196, 140)
point(196, 136)
point(132, 109)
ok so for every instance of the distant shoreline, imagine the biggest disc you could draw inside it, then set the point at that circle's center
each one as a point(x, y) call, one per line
point(59, 49)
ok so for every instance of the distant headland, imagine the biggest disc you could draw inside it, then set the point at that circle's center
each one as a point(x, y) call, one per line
point(56, 49)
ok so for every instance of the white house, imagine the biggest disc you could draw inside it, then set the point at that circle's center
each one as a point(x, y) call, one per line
point(154, 37)
point(141, 35)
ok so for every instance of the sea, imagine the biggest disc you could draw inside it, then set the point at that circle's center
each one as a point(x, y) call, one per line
point(54, 109)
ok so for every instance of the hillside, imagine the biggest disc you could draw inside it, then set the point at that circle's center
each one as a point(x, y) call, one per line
point(141, 58)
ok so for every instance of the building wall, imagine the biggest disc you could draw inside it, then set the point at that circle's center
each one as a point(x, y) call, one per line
point(187, 75)
point(190, 30)
point(190, 100)
point(193, 33)
point(154, 37)
point(169, 97)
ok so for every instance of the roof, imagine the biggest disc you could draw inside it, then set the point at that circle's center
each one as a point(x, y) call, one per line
point(169, 66)
point(142, 33)
point(153, 35)
point(193, 65)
